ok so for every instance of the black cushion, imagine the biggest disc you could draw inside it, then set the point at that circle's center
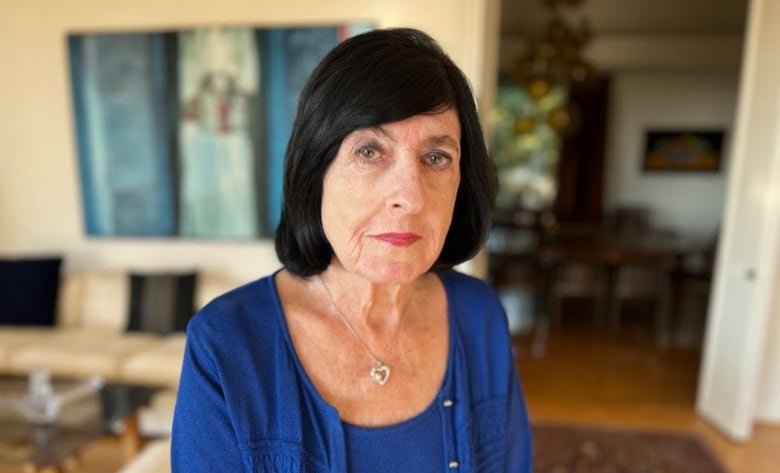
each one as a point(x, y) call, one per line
point(161, 303)
point(28, 290)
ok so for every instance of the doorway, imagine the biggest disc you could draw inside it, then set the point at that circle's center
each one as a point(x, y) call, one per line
point(659, 75)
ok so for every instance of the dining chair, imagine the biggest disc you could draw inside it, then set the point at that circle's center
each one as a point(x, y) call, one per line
point(627, 220)
point(648, 283)
point(691, 293)
point(570, 271)
point(571, 280)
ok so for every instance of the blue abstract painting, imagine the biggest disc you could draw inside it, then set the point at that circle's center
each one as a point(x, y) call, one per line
point(183, 133)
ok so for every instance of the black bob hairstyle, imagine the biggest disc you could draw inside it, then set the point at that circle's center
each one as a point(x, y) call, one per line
point(370, 79)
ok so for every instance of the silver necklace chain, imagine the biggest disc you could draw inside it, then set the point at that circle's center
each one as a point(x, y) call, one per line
point(380, 371)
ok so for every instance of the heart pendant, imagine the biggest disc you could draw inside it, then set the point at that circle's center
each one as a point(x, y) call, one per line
point(380, 373)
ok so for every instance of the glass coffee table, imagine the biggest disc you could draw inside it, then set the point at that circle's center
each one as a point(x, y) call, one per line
point(47, 446)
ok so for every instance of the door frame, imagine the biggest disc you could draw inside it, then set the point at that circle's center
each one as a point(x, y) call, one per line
point(734, 414)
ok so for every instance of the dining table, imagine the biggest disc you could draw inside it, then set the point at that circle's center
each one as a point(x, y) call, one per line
point(598, 245)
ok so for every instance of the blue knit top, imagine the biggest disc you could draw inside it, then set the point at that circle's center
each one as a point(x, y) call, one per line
point(246, 405)
point(412, 445)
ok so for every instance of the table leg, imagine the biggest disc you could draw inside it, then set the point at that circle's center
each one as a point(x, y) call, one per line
point(603, 305)
point(663, 309)
point(542, 313)
point(131, 437)
point(612, 306)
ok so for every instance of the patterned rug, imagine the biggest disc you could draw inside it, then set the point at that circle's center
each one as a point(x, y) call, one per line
point(580, 449)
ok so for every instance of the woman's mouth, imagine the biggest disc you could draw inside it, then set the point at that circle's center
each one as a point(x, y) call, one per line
point(399, 239)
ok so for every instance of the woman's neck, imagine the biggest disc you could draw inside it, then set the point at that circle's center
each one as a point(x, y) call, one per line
point(376, 310)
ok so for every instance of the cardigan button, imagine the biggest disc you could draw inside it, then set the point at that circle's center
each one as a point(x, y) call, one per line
point(448, 403)
point(453, 464)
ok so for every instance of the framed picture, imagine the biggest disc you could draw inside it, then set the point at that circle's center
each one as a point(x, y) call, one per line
point(182, 133)
point(683, 151)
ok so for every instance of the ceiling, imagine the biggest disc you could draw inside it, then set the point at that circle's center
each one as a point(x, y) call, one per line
point(630, 17)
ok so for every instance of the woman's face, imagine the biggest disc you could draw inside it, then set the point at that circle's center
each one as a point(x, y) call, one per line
point(389, 194)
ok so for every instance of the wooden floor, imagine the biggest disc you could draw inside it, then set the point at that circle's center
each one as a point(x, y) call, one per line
point(591, 378)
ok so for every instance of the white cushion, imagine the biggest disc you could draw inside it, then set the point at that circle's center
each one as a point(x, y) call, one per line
point(154, 458)
point(156, 365)
point(70, 300)
point(13, 338)
point(105, 301)
point(81, 353)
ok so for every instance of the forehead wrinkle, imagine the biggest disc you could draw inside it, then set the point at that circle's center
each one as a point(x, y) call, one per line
point(379, 130)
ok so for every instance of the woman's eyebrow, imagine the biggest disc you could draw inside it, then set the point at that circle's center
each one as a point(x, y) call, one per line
point(433, 141)
point(363, 133)
point(442, 140)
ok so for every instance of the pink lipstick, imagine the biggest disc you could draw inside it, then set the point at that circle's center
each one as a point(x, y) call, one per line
point(398, 239)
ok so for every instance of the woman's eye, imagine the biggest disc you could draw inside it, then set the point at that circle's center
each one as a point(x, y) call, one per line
point(368, 153)
point(437, 159)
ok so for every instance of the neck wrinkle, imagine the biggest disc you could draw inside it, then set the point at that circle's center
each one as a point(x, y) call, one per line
point(376, 311)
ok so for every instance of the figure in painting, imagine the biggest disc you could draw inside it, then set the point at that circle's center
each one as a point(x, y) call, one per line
point(218, 80)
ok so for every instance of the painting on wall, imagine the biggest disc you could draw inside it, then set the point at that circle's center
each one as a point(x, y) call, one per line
point(683, 150)
point(183, 133)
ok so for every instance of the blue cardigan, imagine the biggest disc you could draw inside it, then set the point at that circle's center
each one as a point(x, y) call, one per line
point(245, 403)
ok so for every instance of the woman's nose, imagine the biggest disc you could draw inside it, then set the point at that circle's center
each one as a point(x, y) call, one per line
point(407, 187)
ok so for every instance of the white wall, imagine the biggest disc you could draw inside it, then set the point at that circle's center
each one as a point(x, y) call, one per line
point(689, 203)
point(40, 207)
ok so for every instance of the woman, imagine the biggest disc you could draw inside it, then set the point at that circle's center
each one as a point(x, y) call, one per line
point(365, 353)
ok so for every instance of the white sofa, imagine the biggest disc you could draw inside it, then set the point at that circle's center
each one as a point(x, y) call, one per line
point(89, 339)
